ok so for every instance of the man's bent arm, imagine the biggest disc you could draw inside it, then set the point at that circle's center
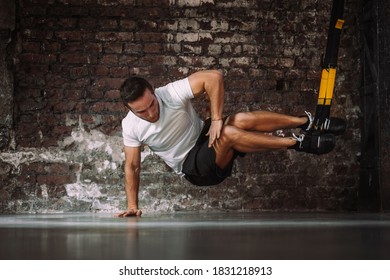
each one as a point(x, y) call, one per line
point(211, 82)
point(132, 179)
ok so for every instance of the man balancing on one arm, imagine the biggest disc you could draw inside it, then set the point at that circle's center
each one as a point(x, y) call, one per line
point(202, 152)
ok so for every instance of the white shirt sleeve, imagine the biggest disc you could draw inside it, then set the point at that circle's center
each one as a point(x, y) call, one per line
point(178, 92)
point(129, 138)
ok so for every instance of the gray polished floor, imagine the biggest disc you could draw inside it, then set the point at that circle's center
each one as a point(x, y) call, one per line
point(196, 236)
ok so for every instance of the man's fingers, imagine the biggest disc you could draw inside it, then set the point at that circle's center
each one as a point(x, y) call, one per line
point(218, 134)
point(129, 213)
point(120, 214)
point(211, 140)
point(214, 132)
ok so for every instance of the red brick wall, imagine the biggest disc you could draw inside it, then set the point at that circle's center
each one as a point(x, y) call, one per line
point(70, 58)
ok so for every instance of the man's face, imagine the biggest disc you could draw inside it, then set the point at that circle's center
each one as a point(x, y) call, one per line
point(146, 107)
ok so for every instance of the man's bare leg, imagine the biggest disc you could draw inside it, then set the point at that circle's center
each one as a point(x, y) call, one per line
point(264, 121)
point(246, 132)
point(234, 138)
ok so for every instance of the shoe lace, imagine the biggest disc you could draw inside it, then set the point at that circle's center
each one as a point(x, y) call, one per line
point(311, 120)
point(299, 138)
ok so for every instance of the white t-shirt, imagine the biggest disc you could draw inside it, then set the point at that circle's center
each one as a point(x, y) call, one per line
point(175, 133)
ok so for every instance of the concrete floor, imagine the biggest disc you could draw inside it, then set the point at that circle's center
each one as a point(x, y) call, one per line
point(196, 236)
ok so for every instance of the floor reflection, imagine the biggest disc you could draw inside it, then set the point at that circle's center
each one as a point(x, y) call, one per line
point(196, 236)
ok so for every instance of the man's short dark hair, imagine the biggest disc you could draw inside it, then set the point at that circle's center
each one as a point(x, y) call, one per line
point(133, 88)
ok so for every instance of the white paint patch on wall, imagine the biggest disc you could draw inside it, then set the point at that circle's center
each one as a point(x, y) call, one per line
point(86, 192)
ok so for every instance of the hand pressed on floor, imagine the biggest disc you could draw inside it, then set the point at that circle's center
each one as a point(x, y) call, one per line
point(129, 213)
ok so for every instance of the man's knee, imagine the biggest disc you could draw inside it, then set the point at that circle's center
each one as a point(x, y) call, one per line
point(239, 120)
point(230, 133)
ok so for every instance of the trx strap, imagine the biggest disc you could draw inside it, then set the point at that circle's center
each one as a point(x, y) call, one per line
point(329, 65)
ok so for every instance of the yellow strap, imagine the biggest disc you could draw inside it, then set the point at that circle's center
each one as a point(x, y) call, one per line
point(325, 95)
point(339, 24)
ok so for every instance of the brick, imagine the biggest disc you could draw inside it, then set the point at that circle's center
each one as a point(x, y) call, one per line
point(128, 60)
point(32, 47)
point(112, 94)
point(158, 59)
point(187, 37)
point(149, 37)
point(79, 83)
point(31, 105)
point(193, 3)
point(226, 37)
point(108, 24)
point(192, 49)
point(147, 25)
point(87, 119)
point(69, 35)
point(56, 133)
point(55, 180)
point(268, 62)
point(108, 83)
point(88, 23)
point(114, 36)
point(100, 11)
point(56, 168)
point(116, 2)
point(33, 168)
point(78, 72)
point(127, 24)
point(232, 50)
point(153, 48)
point(95, 48)
point(238, 84)
point(37, 58)
point(119, 72)
point(171, 48)
point(151, 3)
point(54, 81)
point(214, 49)
point(197, 61)
point(100, 70)
point(131, 48)
point(236, 62)
point(73, 95)
point(68, 11)
point(168, 25)
point(63, 107)
point(56, 191)
point(73, 47)
point(296, 74)
point(286, 62)
point(66, 22)
point(110, 59)
point(100, 107)
point(250, 50)
point(74, 58)
point(51, 46)
point(113, 48)
point(34, 11)
point(106, 36)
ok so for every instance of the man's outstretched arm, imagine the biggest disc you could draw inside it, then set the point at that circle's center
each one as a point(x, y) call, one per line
point(132, 178)
point(211, 82)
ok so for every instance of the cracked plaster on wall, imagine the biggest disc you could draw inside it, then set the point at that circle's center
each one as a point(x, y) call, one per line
point(102, 152)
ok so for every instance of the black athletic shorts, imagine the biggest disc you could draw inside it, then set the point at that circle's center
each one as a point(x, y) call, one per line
point(200, 168)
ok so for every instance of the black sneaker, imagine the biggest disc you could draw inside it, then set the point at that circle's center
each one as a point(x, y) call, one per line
point(318, 144)
point(332, 125)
